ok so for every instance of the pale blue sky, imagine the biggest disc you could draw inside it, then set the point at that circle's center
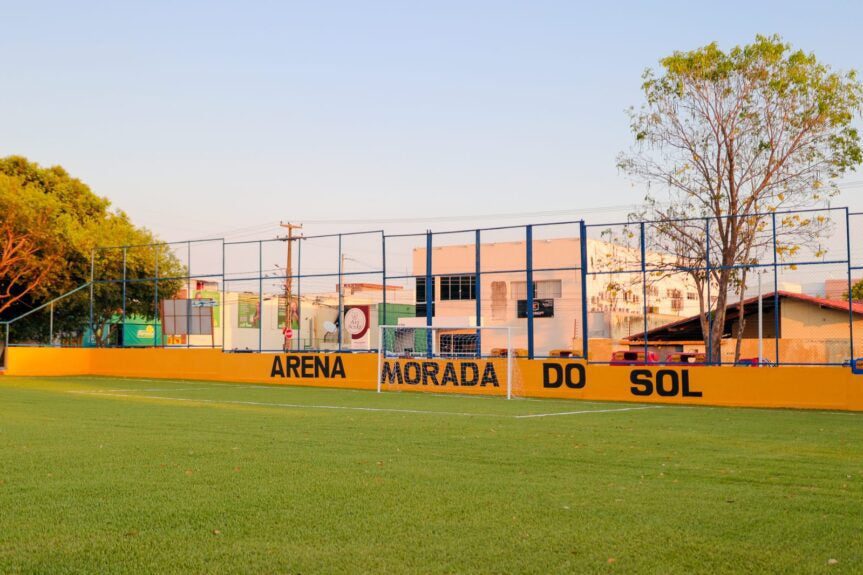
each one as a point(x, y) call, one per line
point(202, 117)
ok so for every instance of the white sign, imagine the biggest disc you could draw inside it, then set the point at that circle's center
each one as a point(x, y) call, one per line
point(355, 321)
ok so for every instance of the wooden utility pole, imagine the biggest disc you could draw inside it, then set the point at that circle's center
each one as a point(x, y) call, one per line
point(288, 279)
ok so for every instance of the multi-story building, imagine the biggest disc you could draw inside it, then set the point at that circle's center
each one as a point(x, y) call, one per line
point(617, 292)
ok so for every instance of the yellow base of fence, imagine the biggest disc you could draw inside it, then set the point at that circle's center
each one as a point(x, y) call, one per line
point(833, 388)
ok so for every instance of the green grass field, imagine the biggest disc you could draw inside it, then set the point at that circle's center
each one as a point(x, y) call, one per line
point(105, 475)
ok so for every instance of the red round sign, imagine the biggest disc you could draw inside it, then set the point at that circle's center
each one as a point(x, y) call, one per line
point(289, 333)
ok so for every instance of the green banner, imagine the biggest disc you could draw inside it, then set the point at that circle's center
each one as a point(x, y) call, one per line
point(217, 309)
point(248, 311)
point(295, 306)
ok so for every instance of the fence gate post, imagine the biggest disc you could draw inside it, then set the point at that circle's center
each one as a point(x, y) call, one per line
point(429, 295)
point(341, 290)
point(92, 273)
point(478, 291)
point(529, 284)
point(582, 230)
point(644, 289)
point(261, 296)
point(123, 319)
point(775, 293)
point(382, 315)
point(850, 297)
point(709, 299)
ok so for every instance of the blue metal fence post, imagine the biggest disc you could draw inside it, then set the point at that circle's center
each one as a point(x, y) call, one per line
point(850, 297)
point(299, 293)
point(477, 264)
point(341, 303)
point(530, 294)
point(92, 278)
point(429, 295)
point(189, 294)
point(382, 316)
point(776, 304)
point(224, 306)
point(709, 300)
point(582, 232)
point(644, 291)
point(123, 323)
point(260, 296)
point(156, 302)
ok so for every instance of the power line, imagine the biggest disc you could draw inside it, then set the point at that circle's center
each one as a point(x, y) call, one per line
point(258, 229)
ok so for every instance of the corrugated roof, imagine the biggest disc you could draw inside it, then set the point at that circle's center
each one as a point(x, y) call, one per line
point(767, 300)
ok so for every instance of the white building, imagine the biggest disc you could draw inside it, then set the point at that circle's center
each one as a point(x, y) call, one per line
point(615, 300)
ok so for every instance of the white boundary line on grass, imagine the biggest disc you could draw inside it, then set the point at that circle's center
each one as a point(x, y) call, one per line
point(589, 411)
point(207, 384)
point(293, 405)
point(105, 391)
point(109, 393)
point(281, 386)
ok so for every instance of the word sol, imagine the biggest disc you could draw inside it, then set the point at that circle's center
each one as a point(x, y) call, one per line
point(667, 383)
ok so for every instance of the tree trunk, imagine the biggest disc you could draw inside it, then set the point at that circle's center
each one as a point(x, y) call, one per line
point(718, 327)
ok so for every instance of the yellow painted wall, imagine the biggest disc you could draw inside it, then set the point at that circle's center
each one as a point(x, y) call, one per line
point(802, 320)
point(48, 361)
point(202, 364)
point(471, 377)
point(791, 387)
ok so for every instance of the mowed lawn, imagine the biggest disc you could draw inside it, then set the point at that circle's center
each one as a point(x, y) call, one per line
point(105, 475)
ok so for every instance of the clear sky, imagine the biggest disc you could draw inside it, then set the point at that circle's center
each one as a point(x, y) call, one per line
point(222, 118)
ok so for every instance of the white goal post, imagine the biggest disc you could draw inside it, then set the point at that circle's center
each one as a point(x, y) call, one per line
point(409, 354)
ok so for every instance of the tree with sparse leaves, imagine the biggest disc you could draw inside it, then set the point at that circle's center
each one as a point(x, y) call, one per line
point(856, 291)
point(731, 138)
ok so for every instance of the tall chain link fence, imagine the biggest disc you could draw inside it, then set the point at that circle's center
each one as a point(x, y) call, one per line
point(623, 293)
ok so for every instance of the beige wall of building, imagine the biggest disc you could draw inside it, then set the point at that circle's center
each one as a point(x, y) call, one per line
point(615, 301)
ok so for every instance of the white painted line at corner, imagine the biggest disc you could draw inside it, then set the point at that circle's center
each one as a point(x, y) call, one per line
point(108, 391)
point(589, 411)
point(296, 405)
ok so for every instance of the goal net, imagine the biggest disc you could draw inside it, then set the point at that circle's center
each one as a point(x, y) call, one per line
point(468, 360)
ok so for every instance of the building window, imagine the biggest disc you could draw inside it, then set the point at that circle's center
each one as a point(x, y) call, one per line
point(542, 289)
point(421, 296)
point(462, 287)
point(691, 296)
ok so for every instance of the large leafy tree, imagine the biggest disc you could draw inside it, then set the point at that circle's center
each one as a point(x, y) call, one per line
point(53, 226)
point(733, 137)
point(29, 259)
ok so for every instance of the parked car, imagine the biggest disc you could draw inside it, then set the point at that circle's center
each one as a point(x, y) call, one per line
point(754, 362)
point(633, 358)
point(686, 358)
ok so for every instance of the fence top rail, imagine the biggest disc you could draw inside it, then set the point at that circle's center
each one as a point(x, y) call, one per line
point(46, 304)
point(726, 217)
point(492, 228)
point(158, 244)
point(298, 238)
point(487, 229)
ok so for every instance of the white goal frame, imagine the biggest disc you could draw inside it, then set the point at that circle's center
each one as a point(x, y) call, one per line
point(508, 352)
